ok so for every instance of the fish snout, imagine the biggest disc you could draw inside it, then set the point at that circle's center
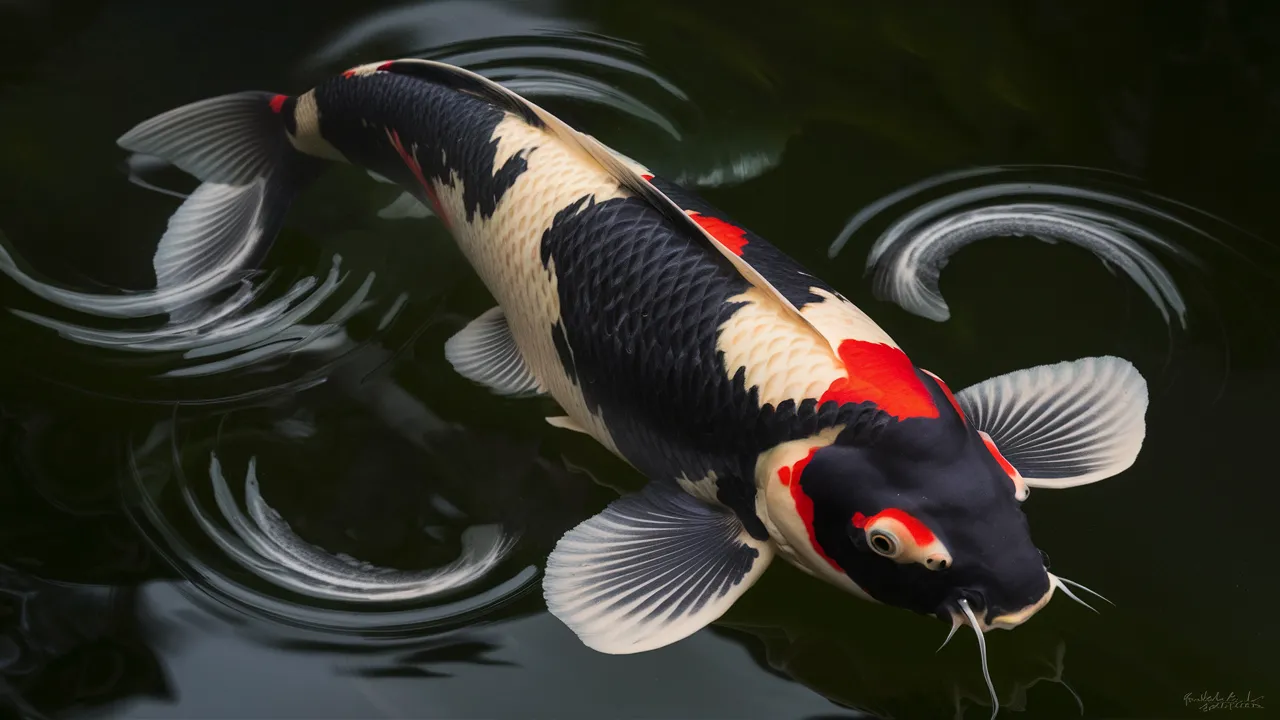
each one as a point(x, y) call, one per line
point(1001, 610)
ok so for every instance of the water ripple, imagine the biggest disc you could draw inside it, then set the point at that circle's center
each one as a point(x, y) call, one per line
point(696, 134)
point(270, 548)
point(1124, 227)
point(297, 581)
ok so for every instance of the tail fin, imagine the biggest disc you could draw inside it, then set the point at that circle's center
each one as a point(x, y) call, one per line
point(238, 147)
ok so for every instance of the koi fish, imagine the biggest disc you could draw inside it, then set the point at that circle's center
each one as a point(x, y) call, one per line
point(770, 415)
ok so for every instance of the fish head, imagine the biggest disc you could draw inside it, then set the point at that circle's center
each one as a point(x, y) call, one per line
point(923, 518)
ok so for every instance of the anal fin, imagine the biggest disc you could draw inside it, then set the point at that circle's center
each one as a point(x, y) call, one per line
point(652, 568)
point(485, 352)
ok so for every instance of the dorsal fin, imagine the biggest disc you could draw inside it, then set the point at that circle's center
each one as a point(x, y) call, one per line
point(466, 80)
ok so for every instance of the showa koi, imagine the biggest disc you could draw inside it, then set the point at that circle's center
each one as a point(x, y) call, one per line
point(771, 416)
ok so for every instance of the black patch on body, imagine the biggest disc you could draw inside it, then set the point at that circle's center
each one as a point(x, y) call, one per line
point(784, 273)
point(464, 82)
point(288, 111)
point(642, 298)
point(452, 130)
point(740, 497)
point(642, 295)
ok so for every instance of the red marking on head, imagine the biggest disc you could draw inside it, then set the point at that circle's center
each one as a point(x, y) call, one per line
point(920, 533)
point(790, 476)
point(727, 234)
point(647, 178)
point(416, 168)
point(1008, 468)
point(883, 375)
point(277, 102)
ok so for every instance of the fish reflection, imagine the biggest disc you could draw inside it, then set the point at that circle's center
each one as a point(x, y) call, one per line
point(906, 680)
point(424, 658)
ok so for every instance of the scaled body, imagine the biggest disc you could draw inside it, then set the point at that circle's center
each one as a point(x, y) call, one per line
point(770, 414)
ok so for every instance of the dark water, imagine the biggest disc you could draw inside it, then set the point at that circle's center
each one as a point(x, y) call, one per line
point(116, 601)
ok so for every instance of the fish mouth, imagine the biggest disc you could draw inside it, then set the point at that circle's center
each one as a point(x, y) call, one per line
point(1011, 620)
point(984, 616)
point(963, 614)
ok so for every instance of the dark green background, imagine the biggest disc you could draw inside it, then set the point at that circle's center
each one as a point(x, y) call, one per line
point(865, 97)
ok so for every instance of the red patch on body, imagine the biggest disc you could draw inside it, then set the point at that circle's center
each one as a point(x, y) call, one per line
point(1009, 469)
point(883, 375)
point(790, 477)
point(416, 168)
point(920, 533)
point(727, 234)
point(349, 73)
point(277, 102)
point(386, 65)
point(947, 391)
point(647, 178)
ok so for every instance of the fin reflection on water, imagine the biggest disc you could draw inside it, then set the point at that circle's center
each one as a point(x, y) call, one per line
point(267, 546)
point(242, 328)
point(1121, 227)
point(392, 480)
point(901, 681)
point(259, 542)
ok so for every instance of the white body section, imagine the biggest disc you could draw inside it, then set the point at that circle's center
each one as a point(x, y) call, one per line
point(505, 250)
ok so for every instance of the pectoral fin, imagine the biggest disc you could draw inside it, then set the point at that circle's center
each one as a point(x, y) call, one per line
point(564, 422)
point(653, 568)
point(1063, 425)
point(485, 352)
point(405, 206)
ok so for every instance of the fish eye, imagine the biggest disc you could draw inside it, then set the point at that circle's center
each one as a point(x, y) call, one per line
point(884, 543)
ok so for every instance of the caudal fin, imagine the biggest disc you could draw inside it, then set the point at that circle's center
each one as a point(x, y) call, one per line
point(238, 147)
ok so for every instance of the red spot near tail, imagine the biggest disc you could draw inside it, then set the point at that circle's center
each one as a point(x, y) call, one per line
point(1005, 465)
point(727, 234)
point(349, 73)
point(920, 533)
point(386, 65)
point(883, 375)
point(277, 102)
point(416, 168)
point(647, 178)
point(790, 477)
